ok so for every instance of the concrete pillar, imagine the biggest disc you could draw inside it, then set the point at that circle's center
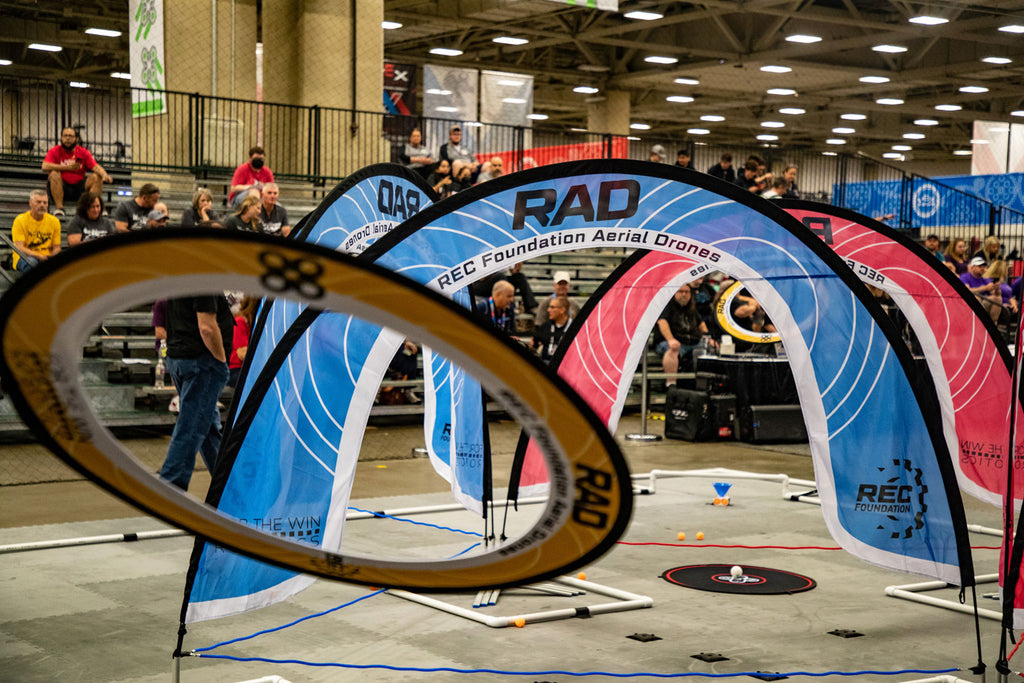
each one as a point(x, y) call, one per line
point(340, 62)
point(611, 115)
point(327, 53)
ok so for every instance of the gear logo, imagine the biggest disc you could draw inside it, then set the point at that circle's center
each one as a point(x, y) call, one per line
point(300, 274)
point(901, 494)
point(927, 201)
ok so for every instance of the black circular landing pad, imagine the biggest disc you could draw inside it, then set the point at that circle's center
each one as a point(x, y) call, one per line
point(754, 580)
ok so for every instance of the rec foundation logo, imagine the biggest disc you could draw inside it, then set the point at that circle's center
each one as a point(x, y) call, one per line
point(898, 497)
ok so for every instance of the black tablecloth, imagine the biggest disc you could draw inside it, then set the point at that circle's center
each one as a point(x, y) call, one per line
point(756, 380)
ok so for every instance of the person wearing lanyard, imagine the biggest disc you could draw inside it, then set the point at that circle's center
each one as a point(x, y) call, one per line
point(498, 307)
point(548, 336)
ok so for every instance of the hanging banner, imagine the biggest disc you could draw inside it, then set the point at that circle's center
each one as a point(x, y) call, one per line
point(146, 57)
point(400, 88)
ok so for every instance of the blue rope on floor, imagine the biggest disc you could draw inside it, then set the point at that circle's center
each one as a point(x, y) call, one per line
point(284, 626)
point(412, 521)
point(560, 672)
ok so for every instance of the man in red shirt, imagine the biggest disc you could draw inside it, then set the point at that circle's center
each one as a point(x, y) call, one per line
point(252, 174)
point(66, 166)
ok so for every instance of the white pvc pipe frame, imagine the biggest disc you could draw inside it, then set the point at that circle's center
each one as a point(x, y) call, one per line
point(638, 479)
point(623, 601)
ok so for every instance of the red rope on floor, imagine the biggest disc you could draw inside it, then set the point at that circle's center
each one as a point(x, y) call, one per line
point(763, 547)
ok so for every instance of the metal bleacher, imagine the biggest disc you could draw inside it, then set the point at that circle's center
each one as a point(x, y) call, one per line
point(119, 358)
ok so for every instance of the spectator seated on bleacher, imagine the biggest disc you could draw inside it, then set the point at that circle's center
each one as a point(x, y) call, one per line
point(273, 216)
point(562, 283)
point(133, 214)
point(988, 292)
point(201, 209)
point(500, 308)
point(253, 174)
point(678, 333)
point(66, 166)
point(89, 223)
point(548, 336)
point(247, 215)
point(35, 233)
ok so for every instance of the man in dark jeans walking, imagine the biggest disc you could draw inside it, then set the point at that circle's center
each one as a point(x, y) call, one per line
point(199, 332)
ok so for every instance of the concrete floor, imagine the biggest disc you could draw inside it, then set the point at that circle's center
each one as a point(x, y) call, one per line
point(110, 612)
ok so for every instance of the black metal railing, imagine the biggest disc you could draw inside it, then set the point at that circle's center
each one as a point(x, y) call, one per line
point(209, 136)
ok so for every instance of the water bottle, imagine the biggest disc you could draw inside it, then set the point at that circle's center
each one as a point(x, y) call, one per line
point(161, 354)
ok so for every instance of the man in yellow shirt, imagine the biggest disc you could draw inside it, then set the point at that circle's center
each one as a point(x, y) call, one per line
point(35, 233)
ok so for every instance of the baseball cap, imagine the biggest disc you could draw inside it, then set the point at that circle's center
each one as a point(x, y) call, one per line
point(562, 275)
point(978, 261)
point(155, 215)
point(454, 128)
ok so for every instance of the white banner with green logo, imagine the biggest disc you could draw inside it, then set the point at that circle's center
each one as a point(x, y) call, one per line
point(146, 38)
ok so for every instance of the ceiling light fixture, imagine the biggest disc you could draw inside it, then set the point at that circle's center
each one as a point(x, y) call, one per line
point(643, 16)
point(513, 100)
point(686, 81)
point(445, 51)
point(902, 148)
point(889, 101)
point(579, 130)
point(5, 62)
point(123, 75)
point(781, 91)
point(874, 79)
point(683, 99)
point(437, 91)
point(894, 155)
point(712, 118)
point(78, 84)
point(633, 138)
point(537, 117)
point(105, 32)
point(803, 38)
point(586, 89)
point(914, 136)
point(835, 141)
point(449, 110)
point(926, 20)
point(889, 49)
point(974, 89)
point(853, 117)
point(772, 124)
point(842, 130)
point(390, 25)
point(1012, 28)
point(948, 107)
point(767, 137)
point(980, 141)
point(792, 111)
point(698, 131)
point(925, 122)
point(1019, 112)
point(511, 82)
point(658, 59)
point(962, 152)
point(509, 40)
point(45, 47)
point(776, 69)
point(997, 60)
point(829, 154)
point(640, 126)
